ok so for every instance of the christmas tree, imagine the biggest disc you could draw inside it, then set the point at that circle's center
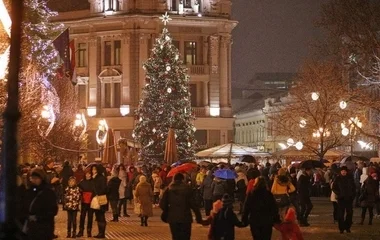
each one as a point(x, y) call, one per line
point(165, 103)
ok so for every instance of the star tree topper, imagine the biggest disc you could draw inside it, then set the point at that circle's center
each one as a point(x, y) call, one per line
point(165, 18)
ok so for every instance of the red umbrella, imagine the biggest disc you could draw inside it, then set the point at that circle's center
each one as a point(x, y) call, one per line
point(186, 167)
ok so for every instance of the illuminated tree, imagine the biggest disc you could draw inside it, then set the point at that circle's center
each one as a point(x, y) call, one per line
point(165, 103)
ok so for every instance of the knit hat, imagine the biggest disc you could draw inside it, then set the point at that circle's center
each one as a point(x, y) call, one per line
point(216, 206)
point(179, 177)
point(227, 200)
point(344, 168)
point(38, 172)
point(142, 179)
point(290, 215)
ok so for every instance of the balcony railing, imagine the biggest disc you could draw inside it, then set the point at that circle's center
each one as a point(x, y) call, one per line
point(199, 111)
point(198, 69)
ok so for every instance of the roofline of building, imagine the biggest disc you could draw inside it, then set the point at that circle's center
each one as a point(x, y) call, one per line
point(178, 20)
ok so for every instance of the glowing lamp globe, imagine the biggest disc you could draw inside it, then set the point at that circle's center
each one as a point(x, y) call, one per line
point(345, 131)
point(343, 105)
point(315, 96)
point(299, 145)
point(290, 142)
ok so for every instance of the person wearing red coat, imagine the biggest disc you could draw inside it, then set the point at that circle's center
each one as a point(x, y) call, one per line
point(289, 228)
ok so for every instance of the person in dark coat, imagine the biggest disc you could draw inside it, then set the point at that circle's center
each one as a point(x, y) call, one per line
point(207, 192)
point(369, 195)
point(224, 221)
point(344, 188)
point(113, 195)
point(86, 186)
point(41, 205)
point(79, 174)
point(260, 211)
point(177, 203)
point(100, 188)
point(65, 174)
point(218, 187)
point(52, 177)
point(303, 188)
point(253, 172)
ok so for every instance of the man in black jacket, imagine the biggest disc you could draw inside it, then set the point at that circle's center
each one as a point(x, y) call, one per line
point(177, 203)
point(344, 188)
point(303, 188)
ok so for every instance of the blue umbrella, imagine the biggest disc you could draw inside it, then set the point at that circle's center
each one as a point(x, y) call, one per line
point(225, 174)
point(176, 164)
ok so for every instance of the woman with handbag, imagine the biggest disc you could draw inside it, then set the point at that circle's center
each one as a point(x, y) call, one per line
point(99, 201)
point(281, 188)
point(144, 196)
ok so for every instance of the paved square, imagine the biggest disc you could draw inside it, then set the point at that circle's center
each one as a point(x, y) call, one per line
point(322, 227)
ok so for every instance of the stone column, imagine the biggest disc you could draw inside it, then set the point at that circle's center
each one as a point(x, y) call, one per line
point(205, 94)
point(205, 51)
point(224, 44)
point(143, 56)
point(126, 81)
point(214, 90)
point(93, 75)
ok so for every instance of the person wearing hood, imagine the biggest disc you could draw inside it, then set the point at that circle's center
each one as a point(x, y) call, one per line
point(41, 207)
point(303, 187)
point(206, 188)
point(144, 196)
point(177, 203)
point(369, 195)
point(344, 188)
point(241, 186)
point(113, 194)
point(289, 229)
point(281, 188)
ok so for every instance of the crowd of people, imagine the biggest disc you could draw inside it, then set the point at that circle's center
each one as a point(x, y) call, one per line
point(266, 197)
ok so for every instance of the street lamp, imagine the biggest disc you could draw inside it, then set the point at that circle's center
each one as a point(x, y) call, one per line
point(353, 124)
point(101, 136)
point(343, 105)
point(46, 121)
point(315, 96)
point(80, 124)
point(299, 145)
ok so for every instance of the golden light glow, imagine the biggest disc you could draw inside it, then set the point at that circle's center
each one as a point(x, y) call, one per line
point(7, 22)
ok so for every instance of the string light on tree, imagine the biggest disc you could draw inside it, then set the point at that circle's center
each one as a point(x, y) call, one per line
point(166, 102)
point(314, 96)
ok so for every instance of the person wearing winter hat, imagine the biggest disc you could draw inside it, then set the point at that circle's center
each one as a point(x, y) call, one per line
point(344, 188)
point(289, 229)
point(223, 220)
point(86, 186)
point(41, 205)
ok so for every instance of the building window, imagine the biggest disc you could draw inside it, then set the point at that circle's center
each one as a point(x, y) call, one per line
point(112, 53)
point(190, 52)
point(176, 44)
point(174, 5)
point(82, 55)
point(187, 3)
point(112, 95)
point(107, 53)
point(117, 52)
point(82, 96)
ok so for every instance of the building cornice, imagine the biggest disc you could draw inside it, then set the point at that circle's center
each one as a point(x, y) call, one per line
point(224, 25)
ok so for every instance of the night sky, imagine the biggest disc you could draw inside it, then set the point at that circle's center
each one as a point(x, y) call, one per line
point(272, 36)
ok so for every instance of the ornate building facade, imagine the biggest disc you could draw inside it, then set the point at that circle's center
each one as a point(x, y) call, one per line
point(114, 37)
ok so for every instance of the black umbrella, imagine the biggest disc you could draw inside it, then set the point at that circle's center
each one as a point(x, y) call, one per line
point(311, 164)
point(247, 159)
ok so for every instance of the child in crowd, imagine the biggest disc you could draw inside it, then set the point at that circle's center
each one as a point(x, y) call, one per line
point(222, 220)
point(72, 199)
point(289, 228)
